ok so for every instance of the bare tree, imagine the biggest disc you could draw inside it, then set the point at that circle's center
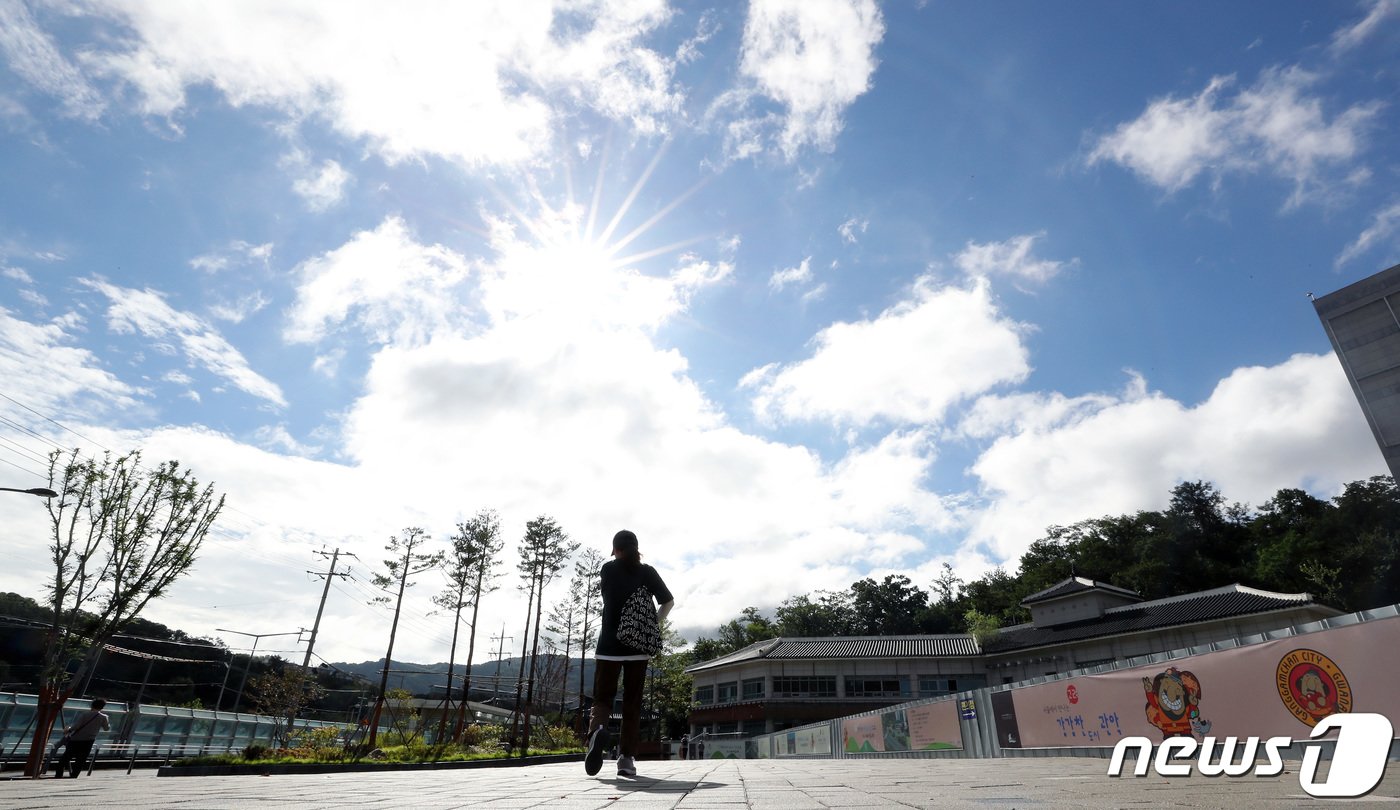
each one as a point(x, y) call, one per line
point(405, 563)
point(121, 536)
point(586, 574)
point(544, 551)
point(283, 693)
point(468, 566)
point(563, 625)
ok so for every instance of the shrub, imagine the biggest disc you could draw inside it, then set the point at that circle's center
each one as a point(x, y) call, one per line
point(255, 751)
point(553, 738)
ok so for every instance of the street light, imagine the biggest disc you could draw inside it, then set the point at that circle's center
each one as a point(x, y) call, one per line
point(42, 492)
point(238, 699)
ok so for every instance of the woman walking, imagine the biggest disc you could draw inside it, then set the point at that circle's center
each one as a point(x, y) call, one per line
point(626, 641)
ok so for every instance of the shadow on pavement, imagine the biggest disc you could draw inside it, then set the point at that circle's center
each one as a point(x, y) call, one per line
point(644, 784)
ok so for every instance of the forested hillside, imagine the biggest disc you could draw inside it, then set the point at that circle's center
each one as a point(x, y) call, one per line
point(1343, 551)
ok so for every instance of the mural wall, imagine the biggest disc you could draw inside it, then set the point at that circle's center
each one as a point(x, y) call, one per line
point(930, 727)
point(1275, 688)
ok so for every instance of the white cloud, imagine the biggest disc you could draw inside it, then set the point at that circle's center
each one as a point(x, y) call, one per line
point(1011, 258)
point(237, 254)
point(909, 364)
point(388, 284)
point(801, 274)
point(277, 437)
point(324, 188)
point(814, 58)
point(1384, 225)
point(17, 274)
point(38, 362)
point(851, 228)
point(147, 312)
point(472, 82)
point(240, 310)
point(33, 55)
point(1276, 125)
point(815, 293)
point(1349, 37)
point(1058, 460)
point(705, 29)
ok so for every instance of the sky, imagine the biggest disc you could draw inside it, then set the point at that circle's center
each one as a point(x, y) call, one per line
point(800, 291)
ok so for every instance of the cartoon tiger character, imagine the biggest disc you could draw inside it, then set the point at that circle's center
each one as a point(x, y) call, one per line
point(1174, 703)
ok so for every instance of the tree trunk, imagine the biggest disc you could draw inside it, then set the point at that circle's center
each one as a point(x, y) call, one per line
point(534, 655)
point(451, 662)
point(471, 648)
point(388, 656)
point(519, 682)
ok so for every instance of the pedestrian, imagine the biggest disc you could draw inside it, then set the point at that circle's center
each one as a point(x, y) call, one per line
point(79, 738)
point(685, 743)
point(629, 588)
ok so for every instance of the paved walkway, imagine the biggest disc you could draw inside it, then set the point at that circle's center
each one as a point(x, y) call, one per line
point(781, 785)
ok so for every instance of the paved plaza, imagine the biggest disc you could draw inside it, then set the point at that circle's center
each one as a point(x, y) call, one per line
point(781, 785)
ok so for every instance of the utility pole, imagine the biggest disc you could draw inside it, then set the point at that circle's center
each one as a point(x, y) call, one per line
point(500, 654)
point(316, 627)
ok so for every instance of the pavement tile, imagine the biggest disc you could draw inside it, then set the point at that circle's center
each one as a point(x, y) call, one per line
point(1028, 784)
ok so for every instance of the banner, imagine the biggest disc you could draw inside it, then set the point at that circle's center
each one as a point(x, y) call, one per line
point(814, 741)
point(1275, 688)
point(862, 735)
point(934, 726)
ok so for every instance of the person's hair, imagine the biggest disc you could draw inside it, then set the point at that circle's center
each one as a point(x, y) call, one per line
point(98, 704)
point(626, 542)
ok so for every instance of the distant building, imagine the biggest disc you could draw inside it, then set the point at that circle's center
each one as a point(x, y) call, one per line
point(1077, 623)
point(1363, 322)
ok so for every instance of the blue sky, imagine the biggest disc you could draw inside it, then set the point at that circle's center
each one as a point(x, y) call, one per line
point(799, 291)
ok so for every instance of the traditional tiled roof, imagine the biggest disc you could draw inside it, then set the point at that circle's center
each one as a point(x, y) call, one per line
point(1219, 603)
point(942, 646)
point(1075, 585)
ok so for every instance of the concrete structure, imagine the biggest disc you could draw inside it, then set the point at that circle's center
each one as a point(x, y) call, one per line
point(783, 683)
point(1363, 322)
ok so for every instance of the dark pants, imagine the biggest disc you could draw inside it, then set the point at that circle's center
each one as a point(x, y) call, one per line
point(634, 674)
point(76, 751)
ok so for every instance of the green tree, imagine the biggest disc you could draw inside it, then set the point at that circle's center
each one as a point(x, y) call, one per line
point(283, 693)
point(406, 561)
point(670, 690)
point(470, 565)
point(888, 608)
point(121, 536)
point(998, 594)
point(587, 588)
point(544, 551)
point(983, 627)
point(802, 616)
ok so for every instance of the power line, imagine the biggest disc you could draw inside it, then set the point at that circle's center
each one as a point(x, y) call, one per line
point(55, 422)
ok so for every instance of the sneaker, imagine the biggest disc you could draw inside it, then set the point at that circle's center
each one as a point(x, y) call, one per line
point(597, 743)
point(625, 766)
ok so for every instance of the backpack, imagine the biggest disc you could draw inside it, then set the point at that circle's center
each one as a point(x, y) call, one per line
point(638, 628)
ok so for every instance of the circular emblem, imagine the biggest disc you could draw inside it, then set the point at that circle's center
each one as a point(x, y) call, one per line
point(1072, 693)
point(1311, 685)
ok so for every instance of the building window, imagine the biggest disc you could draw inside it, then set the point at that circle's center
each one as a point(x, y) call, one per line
point(886, 686)
point(810, 686)
point(728, 692)
point(753, 689)
point(932, 686)
point(705, 694)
